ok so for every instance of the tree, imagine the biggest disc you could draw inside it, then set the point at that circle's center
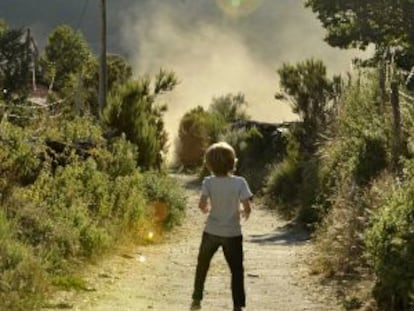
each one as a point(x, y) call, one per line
point(355, 23)
point(66, 52)
point(309, 91)
point(118, 72)
point(230, 107)
point(198, 129)
point(15, 61)
point(132, 109)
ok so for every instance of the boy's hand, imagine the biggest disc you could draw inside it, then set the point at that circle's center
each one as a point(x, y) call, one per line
point(204, 209)
point(245, 212)
point(203, 204)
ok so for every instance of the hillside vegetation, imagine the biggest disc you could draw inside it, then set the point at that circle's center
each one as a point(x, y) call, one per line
point(77, 178)
point(75, 182)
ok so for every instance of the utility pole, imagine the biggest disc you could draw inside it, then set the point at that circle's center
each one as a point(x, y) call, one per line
point(102, 67)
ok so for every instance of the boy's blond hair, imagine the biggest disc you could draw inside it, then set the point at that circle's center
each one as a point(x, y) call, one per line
point(220, 159)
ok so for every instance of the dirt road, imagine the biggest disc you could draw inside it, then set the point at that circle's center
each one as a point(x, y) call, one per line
point(160, 277)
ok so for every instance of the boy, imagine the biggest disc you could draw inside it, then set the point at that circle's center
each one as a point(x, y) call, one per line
point(224, 191)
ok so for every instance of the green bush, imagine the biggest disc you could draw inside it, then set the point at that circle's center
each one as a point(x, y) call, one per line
point(390, 246)
point(75, 129)
point(164, 189)
point(22, 276)
point(118, 159)
point(230, 107)
point(132, 110)
point(256, 152)
point(200, 128)
point(197, 130)
point(19, 157)
point(283, 181)
point(72, 210)
point(354, 182)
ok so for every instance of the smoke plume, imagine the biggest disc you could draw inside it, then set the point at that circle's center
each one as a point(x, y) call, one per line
point(214, 53)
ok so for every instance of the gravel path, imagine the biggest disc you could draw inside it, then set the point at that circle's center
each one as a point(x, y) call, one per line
point(160, 276)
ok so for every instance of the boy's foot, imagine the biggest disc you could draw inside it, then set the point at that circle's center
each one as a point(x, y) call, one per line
point(195, 305)
point(237, 309)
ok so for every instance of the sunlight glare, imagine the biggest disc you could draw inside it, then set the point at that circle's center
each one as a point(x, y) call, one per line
point(238, 8)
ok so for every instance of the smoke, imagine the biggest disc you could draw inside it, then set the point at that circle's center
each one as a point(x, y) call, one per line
point(214, 54)
point(208, 61)
point(213, 48)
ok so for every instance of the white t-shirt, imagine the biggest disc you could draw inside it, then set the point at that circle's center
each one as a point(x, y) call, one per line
point(225, 194)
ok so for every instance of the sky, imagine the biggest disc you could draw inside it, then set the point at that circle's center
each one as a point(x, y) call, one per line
point(215, 47)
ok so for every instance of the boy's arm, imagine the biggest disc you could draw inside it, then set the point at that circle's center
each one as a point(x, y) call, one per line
point(203, 204)
point(246, 208)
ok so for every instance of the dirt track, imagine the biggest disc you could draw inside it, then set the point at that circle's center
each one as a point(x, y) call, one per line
point(160, 277)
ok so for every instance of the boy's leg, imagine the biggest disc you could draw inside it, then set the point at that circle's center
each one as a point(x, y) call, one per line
point(209, 245)
point(233, 252)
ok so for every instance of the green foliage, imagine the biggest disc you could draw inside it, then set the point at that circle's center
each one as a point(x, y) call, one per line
point(164, 189)
point(230, 107)
point(120, 159)
point(309, 91)
point(132, 109)
point(75, 130)
point(351, 179)
point(15, 61)
point(21, 275)
point(281, 191)
point(198, 129)
point(390, 245)
point(19, 159)
point(66, 53)
point(67, 193)
point(118, 73)
point(358, 24)
point(256, 152)
point(53, 215)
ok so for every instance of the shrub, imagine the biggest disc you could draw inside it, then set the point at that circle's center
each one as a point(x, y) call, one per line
point(198, 129)
point(283, 181)
point(76, 129)
point(19, 157)
point(390, 246)
point(21, 275)
point(230, 107)
point(353, 180)
point(256, 151)
point(164, 189)
point(132, 110)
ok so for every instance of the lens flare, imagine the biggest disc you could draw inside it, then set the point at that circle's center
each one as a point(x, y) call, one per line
point(150, 235)
point(238, 8)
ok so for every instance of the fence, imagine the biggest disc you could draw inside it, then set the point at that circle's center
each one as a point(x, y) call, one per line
point(388, 76)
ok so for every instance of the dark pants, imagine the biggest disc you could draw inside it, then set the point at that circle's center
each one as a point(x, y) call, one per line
point(233, 252)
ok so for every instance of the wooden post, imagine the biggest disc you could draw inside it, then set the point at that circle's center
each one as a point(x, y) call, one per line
point(395, 102)
point(102, 68)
